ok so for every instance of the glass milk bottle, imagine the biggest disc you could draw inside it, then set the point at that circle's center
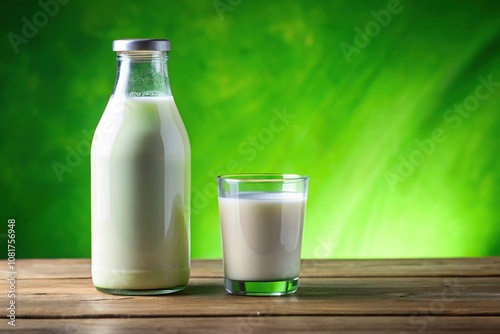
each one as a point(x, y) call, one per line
point(140, 179)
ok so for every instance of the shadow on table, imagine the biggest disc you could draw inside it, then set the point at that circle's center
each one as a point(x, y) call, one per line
point(204, 289)
point(217, 289)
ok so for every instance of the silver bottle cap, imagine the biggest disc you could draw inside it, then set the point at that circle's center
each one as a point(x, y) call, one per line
point(141, 44)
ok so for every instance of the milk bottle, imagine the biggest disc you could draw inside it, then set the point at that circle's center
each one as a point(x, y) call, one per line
point(140, 179)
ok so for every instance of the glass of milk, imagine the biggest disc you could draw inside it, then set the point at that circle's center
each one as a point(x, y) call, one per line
point(262, 217)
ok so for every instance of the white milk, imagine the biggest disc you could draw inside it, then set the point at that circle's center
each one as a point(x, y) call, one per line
point(262, 235)
point(140, 165)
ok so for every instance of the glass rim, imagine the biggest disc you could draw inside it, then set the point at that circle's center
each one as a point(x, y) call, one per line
point(261, 177)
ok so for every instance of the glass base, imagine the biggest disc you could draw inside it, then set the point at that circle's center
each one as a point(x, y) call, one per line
point(152, 292)
point(259, 288)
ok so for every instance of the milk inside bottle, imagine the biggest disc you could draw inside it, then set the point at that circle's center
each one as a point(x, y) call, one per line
point(140, 179)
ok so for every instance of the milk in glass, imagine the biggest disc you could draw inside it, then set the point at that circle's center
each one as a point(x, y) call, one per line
point(262, 235)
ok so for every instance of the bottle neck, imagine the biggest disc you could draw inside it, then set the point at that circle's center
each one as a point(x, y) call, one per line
point(142, 73)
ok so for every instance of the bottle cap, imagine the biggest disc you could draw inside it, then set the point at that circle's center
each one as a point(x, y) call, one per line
point(141, 44)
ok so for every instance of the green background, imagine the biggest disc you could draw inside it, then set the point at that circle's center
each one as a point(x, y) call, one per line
point(396, 170)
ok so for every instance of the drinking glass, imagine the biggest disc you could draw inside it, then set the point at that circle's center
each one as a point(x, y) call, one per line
point(262, 218)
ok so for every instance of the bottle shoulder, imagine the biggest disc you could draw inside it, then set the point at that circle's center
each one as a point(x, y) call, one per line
point(141, 126)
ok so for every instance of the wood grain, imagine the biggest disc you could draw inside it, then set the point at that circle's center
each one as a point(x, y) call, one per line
point(374, 296)
point(261, 324)
point(316, 296)
point(463, 267)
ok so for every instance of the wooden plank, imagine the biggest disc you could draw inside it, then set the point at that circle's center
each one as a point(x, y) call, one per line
point(61, 298)
point(260, 324)
point(463, 267)
point(50, 268)
point(456, 267)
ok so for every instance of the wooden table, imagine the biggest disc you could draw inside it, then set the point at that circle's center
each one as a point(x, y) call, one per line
point(375, 296)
